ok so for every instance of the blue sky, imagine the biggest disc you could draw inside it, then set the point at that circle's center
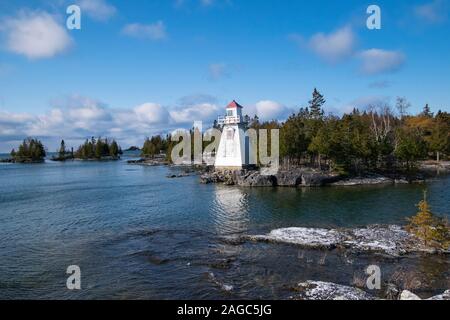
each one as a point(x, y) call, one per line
point(142, 67)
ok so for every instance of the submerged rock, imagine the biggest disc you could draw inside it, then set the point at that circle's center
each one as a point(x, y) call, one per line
point(392, 240)
point(220, 284)
point(318, 290)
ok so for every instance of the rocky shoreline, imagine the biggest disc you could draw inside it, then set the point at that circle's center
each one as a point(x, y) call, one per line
point(391, 240)
point(300, 178)
point(149, 162)
point(24, 161)
point(319, 290)
point(308, 177)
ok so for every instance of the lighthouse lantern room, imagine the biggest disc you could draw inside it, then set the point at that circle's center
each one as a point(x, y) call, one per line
point(234, 149)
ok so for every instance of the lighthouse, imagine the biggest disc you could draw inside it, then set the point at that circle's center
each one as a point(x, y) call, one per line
point(234, 151)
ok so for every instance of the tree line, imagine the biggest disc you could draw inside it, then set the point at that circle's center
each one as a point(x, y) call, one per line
point(379, 138)
point(96, 149)
point(374, 139)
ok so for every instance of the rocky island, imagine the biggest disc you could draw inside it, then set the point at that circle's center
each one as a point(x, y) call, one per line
point(30, 151)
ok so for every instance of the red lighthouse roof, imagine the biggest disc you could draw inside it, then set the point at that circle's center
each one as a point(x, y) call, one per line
point(234, 104)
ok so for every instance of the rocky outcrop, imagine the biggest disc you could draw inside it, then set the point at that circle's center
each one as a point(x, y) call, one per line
point(444, 296)
point(408, 295)
point(149, 162)
point(369, 180)
point(254, 178)
point(291, 178)
point(305, 237)
point(391, 240)
point(319, 290)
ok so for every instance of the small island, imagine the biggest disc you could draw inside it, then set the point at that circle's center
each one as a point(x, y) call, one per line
point(30, 151)
point(155, 151)
point(132, 148)
point(94, 149)
point(98, 149)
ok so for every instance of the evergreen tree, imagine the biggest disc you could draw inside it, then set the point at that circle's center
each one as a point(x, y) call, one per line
point(316, 104)
point(410, 147)
point(62, 149)
point(427, 111)
point(114, 149)
point(30, 150)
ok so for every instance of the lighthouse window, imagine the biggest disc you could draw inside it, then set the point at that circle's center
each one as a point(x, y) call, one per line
point(230, 135)
point(229, 113)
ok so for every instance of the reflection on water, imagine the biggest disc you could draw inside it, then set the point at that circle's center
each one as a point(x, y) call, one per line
point(230, 210)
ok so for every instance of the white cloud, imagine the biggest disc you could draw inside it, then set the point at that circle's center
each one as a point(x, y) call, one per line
point(35, 35)
point(332, 47)
point(155, 31)
point(151, 113)
point(271, 110)
point(97, 9)
point(76, 118)
point(432, 12)
point(205, 112)
point(375, 61)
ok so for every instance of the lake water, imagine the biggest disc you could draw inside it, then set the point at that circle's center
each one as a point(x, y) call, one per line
point(138, 235)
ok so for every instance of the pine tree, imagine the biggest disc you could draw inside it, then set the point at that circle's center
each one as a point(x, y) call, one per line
point(62, 149)
point(316, 104)
point(427, 111)
point(114, 149)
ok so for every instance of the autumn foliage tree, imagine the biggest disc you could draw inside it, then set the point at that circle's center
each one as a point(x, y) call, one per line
point(435, 231)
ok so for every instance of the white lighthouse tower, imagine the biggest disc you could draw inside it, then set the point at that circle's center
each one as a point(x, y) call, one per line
point(234, 150)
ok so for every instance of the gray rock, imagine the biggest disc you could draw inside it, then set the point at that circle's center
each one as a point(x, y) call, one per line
point(255, 179)
point(392, 292)
point(391, 240)
point(444, 296)
point(318, 290)
point(316, 179)
point(307, 237)
point(372, 180)
point(289, 178)
point(408, 295)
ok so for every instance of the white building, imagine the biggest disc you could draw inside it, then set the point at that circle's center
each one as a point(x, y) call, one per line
point(235, 148)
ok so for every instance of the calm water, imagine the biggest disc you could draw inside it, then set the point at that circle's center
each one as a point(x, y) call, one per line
point(139, 235)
